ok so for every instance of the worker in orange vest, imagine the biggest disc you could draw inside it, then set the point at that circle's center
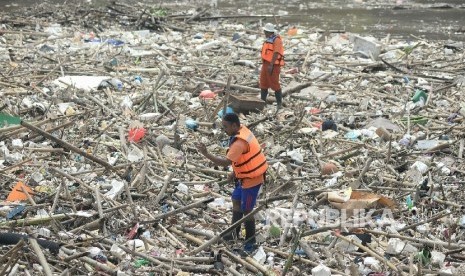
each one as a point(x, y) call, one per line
point(249, 167)
point(273, 59)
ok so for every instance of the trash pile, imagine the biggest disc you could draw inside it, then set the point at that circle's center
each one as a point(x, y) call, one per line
point(101, 107)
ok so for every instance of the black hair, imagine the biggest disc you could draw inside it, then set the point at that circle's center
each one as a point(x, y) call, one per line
point(232, 118)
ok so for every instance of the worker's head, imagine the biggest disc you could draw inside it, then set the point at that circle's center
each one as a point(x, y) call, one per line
point(269, 29)
point(231, 123)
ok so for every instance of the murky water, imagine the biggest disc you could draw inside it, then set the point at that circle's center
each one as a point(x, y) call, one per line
point(399, 18)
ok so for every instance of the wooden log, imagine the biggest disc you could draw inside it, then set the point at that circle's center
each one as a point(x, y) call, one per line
point(67, 145)
point(92, 262)
point(187, 236)
point(179, 210)
point(418, 240)
point(226, 231)
point(238, 260)
point(370, 252)
point(40, 255)
point(235, 86)
point(35, 221)
point(300, 259)
point(162, 192)
point(434, 218)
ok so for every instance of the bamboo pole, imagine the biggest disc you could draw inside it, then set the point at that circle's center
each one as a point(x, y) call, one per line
point(229, 229)
point(300, 259)
point(179, 210)
point(40, 255)
point(67, 145)
point(370, 252)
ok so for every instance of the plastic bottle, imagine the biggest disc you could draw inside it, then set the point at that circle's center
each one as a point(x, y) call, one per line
point(116, 84)
point(137, 80)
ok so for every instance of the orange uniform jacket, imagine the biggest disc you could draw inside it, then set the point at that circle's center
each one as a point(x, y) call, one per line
point(252, 163)
point(268, 50)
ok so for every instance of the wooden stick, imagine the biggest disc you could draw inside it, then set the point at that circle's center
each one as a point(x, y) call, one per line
point(162, 192)
point(90, 189)
point(67, 145)
point(100, 209)
point(187, 236)
point(171, 236)
point(417, 240)
point(92, 262)
point(12, 251)
point(261, 268)
point(437, 216)
point(300, 259)
point(370, 252)
point(57, 197)
point(226, 96)
point(35, 221)
point(332, 154)
point(229, 229)
point(13, 258)
point(95, 224)
point(453, 204)
point(235, 86)
point(40, 255)
point(122, 140)
point(238, 260)
point(28, 195)
point(179, 210)
point(460, 154)
point(289, 220)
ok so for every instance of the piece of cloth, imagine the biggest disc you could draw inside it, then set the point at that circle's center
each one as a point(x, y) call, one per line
point(267, 80)
point(247, 196)
point(235, 151)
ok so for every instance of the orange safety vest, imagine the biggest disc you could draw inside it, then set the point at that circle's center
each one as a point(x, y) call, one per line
point(268, 50)
point(253, 162)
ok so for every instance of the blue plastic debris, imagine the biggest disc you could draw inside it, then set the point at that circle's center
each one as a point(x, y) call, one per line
point(192, 124)
point(229, 110)
point(16, 211)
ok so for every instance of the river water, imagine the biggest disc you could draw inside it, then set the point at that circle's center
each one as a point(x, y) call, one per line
point(429, 19)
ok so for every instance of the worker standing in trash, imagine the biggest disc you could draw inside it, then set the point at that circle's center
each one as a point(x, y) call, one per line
point(249, 167)
point(273, 59)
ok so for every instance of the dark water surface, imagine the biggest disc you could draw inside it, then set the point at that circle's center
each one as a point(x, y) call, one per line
point(399, 18)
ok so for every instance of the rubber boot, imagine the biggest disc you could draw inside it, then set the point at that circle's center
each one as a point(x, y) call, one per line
point(249, 236)
point(235, 233)
point(279, 98)
point(263, 94)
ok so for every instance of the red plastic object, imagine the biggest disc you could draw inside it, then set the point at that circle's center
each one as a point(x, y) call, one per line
point(132, 233)
point(207, 94)
point(136, 134)
point(314, 111)
point(317, 124)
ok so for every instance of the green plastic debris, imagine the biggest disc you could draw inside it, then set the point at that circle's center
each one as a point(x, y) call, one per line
point(6, 120)
point(409, 202)
point(419, 95)
point(275, 232)
point(140, 263)
point(158, 12)
point(415, 120)
point(424, 256)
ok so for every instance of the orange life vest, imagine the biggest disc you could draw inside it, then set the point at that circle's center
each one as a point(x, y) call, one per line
point(268, 50)
point(253, 162)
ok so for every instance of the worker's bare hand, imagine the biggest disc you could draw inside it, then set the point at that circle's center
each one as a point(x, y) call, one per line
point(201, 148)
